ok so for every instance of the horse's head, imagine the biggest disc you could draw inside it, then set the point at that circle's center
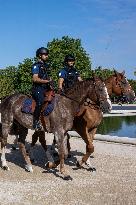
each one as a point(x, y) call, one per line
point(122, 87)
point(100, 94)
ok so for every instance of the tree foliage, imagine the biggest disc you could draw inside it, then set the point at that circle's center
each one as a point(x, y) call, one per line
point(23, 82)
point(59, 48)
point(104, 73)
point(133, 84)
point(19, 79)
point(7, 80)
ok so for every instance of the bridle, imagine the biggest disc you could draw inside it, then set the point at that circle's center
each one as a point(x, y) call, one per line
point(99, 99)
point(121, 85)
point(63, 94)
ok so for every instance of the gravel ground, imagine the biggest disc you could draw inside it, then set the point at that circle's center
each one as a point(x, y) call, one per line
point(114, 181)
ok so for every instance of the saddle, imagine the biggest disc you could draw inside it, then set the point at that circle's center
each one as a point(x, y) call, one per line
point(49, 95)
point(29, 104)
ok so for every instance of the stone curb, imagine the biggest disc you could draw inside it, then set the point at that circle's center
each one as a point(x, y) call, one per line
point(108, 138)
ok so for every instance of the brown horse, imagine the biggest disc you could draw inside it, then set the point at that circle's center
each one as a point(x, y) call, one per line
point(59, 121)
point(86, 124)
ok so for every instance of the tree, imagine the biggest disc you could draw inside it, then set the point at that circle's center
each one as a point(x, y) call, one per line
point(7, 80)
point(104, 73)
point(58, 48)
point(133, 84)
point(23, 83)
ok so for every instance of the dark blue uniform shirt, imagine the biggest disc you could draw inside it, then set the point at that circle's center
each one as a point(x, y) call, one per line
point(43, 73)
point(70, 76)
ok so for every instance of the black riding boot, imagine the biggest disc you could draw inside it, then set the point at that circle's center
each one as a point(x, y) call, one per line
point(36, 123)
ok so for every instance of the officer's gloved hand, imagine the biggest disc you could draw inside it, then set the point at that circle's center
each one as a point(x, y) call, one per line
point(52, 84)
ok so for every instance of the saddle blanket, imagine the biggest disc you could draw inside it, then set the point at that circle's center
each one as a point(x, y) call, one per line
point(27, 107)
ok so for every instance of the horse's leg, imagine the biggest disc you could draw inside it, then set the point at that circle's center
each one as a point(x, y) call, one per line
point(21, 141)
point(4, 133)
point(88, 138)
point(54, 143)
point(34, 140)
point(15, 143)
point(14, 131)
point(42, 140)
point(62, 150)
point(61, 141)
point(68, 145)
point(92, 134)
point(55, 153)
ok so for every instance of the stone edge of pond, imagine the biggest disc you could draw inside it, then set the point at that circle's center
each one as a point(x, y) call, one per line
point(108, 138)
point(120, 113)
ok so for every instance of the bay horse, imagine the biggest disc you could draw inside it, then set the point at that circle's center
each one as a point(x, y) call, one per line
point(86, 125)
point(59, 122)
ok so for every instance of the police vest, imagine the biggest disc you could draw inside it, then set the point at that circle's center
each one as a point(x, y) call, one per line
point(71, 77)
point(44, 73)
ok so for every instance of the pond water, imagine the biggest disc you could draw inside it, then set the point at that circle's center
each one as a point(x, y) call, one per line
point(122, 126)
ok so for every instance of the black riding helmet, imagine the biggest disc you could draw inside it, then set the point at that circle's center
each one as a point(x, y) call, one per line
point(69, 57)
point(41, 51)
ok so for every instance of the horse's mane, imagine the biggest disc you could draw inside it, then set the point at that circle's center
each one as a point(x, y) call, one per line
point(108, 79)
point(115, 74)
point(79, 86)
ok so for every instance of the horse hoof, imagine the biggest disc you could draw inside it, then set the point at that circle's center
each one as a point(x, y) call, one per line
point(50, 165)
point(67, 178)
point(5, 168)
point(47, 165)
point(92, 169)
point(29, 168)
point(88, 163)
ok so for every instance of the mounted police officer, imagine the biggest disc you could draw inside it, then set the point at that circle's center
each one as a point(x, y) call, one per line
point(69, 75)
point(41, 83)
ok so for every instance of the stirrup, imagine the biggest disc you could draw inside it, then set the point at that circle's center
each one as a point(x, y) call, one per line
point(37, 126)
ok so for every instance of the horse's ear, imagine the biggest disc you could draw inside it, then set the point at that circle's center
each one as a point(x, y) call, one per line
point(123, 73)
point(115, 72)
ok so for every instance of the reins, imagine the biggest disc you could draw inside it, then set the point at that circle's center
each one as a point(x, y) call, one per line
point(90, 103)
point(119, 83)
point(69, 97)
point(99, 100)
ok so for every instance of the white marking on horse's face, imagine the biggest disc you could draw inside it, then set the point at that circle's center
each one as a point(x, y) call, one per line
point(108, 98)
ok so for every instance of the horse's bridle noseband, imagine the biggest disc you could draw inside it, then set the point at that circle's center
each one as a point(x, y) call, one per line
point(121, 84)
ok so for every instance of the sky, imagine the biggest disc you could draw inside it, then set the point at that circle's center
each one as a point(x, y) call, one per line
point(107, 29)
